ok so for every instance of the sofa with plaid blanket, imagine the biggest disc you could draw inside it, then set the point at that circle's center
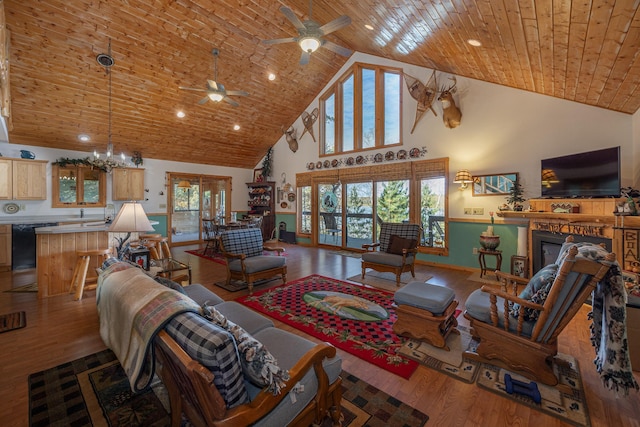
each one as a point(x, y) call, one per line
point(226, 363)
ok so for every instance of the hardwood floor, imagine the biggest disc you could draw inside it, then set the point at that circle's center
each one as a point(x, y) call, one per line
point(60, 330)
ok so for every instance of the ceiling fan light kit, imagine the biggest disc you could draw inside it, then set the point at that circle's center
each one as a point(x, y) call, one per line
point(310, 34)
point(215, 90)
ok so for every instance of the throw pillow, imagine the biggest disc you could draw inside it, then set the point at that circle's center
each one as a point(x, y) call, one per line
point(536, 291)
point(397, 244)
point(258, 364)
point(170, 284)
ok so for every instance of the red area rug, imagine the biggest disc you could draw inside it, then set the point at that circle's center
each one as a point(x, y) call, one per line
point(215, 257)
point(351, 317)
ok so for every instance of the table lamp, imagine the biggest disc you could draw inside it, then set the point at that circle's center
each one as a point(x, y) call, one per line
point(131, 218)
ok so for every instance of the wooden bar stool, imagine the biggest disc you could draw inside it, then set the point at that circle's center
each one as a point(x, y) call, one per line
point(79, 281)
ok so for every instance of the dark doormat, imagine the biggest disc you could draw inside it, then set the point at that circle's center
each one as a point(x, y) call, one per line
point(9, 322)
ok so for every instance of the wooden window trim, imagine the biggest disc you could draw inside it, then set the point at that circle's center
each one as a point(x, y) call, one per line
point(55, 188)
point(336, 90)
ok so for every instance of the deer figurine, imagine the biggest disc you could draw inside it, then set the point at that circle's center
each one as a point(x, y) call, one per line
point(290, 136)
point(451, 114)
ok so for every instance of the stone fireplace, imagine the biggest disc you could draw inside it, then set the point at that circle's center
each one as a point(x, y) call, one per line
point(545, 246)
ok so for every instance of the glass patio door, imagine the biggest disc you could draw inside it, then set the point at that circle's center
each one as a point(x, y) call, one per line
point(185, 215)
point(330, 214)
point(359, 222)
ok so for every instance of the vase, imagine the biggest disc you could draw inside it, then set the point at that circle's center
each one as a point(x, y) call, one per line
point(489, 242)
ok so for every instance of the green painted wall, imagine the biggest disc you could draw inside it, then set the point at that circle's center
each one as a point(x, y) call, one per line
point(161, 226)
point(464, 236)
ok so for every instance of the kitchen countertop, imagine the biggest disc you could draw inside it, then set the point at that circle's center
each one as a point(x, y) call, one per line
point(85, 227)
point(49, 218)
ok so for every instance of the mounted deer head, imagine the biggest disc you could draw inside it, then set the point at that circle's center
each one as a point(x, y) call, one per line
point(451, 114)
point(290, 135)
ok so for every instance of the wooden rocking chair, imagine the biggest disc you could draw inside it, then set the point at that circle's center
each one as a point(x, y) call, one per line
point(529, 346)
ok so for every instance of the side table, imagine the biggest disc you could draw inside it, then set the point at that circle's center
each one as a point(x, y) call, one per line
point(483, 263)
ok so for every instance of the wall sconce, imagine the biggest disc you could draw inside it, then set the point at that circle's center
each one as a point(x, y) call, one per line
point(463, 177)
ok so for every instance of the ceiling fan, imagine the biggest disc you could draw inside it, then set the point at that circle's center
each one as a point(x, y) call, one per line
point(215, 90)
point(310, 34)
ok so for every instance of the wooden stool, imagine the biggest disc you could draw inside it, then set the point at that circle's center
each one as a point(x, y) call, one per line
point(79, 279)
point(426, 312)
point(160, 243)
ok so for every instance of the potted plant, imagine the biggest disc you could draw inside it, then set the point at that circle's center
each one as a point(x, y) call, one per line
point(515, 197)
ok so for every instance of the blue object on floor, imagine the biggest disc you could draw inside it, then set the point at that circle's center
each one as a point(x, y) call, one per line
point(520, 387)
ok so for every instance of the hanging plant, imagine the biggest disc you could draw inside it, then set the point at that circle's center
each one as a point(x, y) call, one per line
point(267, 163)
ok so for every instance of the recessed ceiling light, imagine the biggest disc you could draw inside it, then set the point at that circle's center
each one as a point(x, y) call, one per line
point(474, 42)
point(180, 114)
point(236, 127)
point(84, 138)
point(272, 76)
point(368, 27)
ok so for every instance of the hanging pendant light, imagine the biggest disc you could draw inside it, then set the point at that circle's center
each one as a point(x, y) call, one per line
point(107, 61)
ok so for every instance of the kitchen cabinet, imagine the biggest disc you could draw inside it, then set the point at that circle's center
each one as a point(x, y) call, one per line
point(262, 204)
point(5, 247)
point(128, 184)
point(22, 179)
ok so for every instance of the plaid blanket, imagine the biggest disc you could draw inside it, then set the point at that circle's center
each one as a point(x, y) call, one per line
point(133, 308)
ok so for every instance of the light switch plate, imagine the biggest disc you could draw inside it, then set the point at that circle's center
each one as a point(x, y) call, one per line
point(478, 211)
point(467, 211)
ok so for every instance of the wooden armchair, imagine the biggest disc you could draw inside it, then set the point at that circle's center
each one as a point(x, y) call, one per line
point(521, 334)
point(398, 247)
point(192, 391)
point(243, 250)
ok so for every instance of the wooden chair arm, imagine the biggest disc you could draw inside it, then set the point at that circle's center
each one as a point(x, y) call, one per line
point(511, 298)
point(371, 246)
point(231, 255)
point(278, 249)
point(265, 401)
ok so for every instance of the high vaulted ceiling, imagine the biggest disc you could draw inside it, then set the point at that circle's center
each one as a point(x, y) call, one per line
point(584, 51)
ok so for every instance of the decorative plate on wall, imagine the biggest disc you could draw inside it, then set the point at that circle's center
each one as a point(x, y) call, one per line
point(284, 205)
point(11, 208)
point(291, 197)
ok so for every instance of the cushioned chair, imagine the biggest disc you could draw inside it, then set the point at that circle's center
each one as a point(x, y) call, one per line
point(243, 249)
point(520, 331)
point(396, 251)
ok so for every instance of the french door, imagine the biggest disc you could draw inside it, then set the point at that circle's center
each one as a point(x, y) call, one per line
point(194, 198)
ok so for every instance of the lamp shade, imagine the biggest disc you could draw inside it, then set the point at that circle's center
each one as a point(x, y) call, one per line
point(463, 177)
point(184, 184)
point(131, 218)
point(309, 44)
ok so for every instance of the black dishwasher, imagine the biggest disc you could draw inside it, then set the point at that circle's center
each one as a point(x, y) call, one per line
point(23, 245)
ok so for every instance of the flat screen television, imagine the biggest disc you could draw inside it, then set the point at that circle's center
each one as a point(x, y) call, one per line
point(589, 174)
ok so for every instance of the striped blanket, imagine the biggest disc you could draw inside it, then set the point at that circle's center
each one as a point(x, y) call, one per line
point(133, 308)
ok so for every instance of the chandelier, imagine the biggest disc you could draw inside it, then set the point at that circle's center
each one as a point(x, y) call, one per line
point(107, 61)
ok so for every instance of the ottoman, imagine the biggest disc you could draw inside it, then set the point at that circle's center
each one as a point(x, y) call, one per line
point(426, 312)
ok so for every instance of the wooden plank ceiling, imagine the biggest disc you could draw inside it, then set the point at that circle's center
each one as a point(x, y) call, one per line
point(584, 51)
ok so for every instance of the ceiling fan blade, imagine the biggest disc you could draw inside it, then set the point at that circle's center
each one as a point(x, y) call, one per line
point(304, 59)
point(203, 100)
point(237, 92)
point(212, 85)
point(278, 41)
point(335, 25)
point(192, 88)
point(337, 48)
point(230, 101)
point(292, 17)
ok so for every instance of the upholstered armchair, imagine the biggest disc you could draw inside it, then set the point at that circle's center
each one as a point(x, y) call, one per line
point(395, 252)
point(519, 331)
point(243, 250)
